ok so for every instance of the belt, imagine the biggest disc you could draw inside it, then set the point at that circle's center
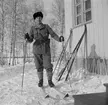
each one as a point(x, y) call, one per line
point(39, 42)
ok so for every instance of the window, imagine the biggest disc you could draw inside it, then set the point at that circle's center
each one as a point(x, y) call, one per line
point(82, 11)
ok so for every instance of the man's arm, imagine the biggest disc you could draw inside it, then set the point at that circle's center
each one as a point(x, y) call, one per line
point(29, 36)
point(53, 34)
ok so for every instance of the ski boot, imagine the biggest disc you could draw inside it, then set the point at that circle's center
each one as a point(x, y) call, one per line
point(40, 84)
point(51, 84)
point(49, 75)
point(40, 76)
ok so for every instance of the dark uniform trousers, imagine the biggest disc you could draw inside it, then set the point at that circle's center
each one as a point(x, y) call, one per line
point(42, 55)
point(43, 61)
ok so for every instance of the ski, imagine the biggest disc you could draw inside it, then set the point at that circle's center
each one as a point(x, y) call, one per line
point(48, 93)
point(65, 95)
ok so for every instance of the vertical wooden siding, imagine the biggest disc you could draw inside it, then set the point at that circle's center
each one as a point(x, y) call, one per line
point(97, 29)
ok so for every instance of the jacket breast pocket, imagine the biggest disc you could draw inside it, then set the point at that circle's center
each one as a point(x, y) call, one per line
point(44, 32)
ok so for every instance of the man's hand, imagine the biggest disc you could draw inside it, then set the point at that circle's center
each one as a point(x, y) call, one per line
point(26, 36)
point(61, 38)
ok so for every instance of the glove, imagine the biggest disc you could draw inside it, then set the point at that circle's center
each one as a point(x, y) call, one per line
point(61, 38)
point(26, 36)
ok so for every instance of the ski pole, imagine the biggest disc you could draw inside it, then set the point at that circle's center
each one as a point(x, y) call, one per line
point(62, 53)
point(73, 54)
point(76, 52)
point(69, 60)
point(24, 55)
point(63, 70)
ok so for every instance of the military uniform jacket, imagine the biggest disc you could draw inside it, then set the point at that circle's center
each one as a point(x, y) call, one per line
point(40, 35)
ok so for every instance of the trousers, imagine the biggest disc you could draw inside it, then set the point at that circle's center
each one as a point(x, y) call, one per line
point(43, 62)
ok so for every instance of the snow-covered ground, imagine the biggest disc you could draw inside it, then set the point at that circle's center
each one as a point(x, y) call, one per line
point(10, 87)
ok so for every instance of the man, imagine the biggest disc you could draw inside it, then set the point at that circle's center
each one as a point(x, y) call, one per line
point(41, 47)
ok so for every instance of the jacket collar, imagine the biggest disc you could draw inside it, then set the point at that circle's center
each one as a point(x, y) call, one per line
point(41, 26)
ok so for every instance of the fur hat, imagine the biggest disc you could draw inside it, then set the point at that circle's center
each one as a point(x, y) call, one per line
point(37, 14)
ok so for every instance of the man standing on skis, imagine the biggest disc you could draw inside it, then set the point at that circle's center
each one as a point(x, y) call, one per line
point(41, 47)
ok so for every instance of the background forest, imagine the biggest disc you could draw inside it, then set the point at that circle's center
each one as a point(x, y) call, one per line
point(16, 19)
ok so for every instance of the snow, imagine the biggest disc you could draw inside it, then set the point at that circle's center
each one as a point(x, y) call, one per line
point(79, 83)
point(1, 70)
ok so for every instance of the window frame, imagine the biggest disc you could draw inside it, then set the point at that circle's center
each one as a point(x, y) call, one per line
point(83, 12)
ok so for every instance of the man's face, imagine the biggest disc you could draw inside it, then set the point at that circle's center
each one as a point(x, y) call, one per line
point(38, 20)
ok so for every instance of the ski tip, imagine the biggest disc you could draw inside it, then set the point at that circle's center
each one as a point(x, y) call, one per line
point(67, 95)
point(47, 96)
